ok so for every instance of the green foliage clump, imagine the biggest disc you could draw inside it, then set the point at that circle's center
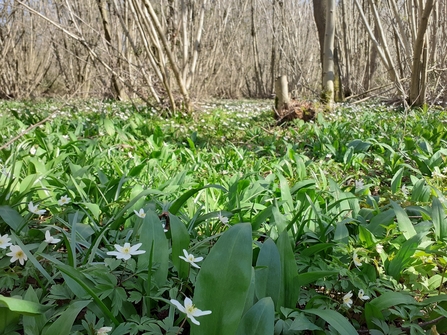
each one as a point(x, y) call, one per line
point(115, 219)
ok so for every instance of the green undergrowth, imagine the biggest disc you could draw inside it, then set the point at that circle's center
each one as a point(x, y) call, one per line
point(112, 216)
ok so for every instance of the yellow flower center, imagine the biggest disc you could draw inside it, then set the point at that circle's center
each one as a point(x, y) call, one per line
point(126, 250)
point(190, 309)
point(19, 254)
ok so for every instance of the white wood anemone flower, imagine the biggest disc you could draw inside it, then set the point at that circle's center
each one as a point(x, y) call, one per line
point(35, 210)
point(347, 299)
point(189, 309)
point(189, 258)
point(222, 218)
point(4, 241)
point(356, 259)
point(104, 330)
point(50, 239)
point(362, 295)
point(379, 248)
point(17, 254)
point(64, 200)
point(140, 213)
point(126, 252)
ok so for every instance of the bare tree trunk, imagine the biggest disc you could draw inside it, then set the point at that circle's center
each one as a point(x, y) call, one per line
point(347, 82)
point(328, 61)
point(177, 74)
point(117, 87)
point(320, 21)
point(419, 68)
point(282, 99)
point(257, 65)
point(273, 54)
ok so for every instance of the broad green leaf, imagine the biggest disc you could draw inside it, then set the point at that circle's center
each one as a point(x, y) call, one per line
point(8, 319)
point(341, 234)
point(251, 296)
point(289, 291)
point(359, 145)
point(435, 281)
point(268, 272)
point(180, 241)
point(335, 319)
point(12, 218)
point(285, 193)
point(33, 324)
point(371, 313)
point(301, 322)
point(223, 282)
point(22, 306)
point(278, 220)
point(109, 127)
point(27, 183)
point(136, 170)
point(262, 217)
point(303, 185)
point(396, 181)
point(366, 237)
point(82, 281)
point(153, 237)
point(259, 319)
point(94, 209)
point(384, 218)
point(385, 301)
point(421, 192)
point(315, 249)
point(63, 324)
point(404, 256)
point(439, 219)
point(403, 221)
point(175, 207)
point(306, 278)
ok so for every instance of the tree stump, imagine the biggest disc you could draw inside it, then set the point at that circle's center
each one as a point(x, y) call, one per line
point(287, 109)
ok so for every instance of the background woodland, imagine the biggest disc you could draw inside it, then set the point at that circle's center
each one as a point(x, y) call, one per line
point(173, 52)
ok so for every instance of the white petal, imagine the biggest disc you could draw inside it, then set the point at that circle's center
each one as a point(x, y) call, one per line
point(198, 312)
point(198, 259)
point(185, 253)
point(193, 320)
point(135, 247)
point(195, 265)
point(188, 302)
point(124, 256)
point(178, 305)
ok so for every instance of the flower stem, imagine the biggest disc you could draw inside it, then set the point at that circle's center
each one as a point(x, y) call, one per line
point(181, 326)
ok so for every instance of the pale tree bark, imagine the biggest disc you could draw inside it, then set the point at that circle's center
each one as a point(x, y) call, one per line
point(282, 99)
point(274, 39)
point(257, 65)
point(118, 90)
point(328, 56)
point(347, 50)
point(382, 46)
point(419, 69)
point(320, 21)
point(174, 66)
